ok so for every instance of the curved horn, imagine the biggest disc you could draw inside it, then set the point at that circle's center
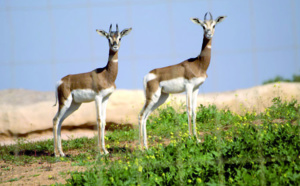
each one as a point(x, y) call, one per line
point(211, 17)
point(117, 28)
point(205, 16)
point(110, 28)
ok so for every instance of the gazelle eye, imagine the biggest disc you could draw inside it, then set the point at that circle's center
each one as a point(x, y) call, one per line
point(214, 26)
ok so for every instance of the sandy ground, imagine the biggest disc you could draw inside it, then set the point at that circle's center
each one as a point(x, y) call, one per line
point(41, 173)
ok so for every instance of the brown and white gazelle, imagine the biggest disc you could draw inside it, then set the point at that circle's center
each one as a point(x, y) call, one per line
point(97, 85)
point(186, 76)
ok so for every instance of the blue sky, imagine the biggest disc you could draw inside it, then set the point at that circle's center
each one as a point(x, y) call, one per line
point(42, 41)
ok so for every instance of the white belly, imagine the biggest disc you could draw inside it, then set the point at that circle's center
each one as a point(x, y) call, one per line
point(173, 86)
point(87, 95)
point(178, 85)
point(196, 82)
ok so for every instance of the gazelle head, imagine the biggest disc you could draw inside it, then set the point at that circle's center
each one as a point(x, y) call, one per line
point(114, 37)
point(208, 24)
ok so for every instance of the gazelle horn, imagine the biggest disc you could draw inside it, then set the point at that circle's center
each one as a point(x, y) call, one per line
point(209, 15)
point(117, 28)
point(110, 28)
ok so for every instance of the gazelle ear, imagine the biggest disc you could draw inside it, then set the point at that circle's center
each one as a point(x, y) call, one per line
point(220, 19)
point(125, 31)
point(102, 33)
point(197, 21)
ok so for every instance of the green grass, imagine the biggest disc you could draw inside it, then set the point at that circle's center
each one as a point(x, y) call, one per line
point(249, 149)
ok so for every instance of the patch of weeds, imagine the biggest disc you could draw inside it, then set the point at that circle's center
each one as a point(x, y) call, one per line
point(15, 179)
point(119, 135)
point(235, 151)
point(5, 168)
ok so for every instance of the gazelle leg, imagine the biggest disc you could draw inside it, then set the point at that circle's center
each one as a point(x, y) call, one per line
point(161, 100)
point(194, 106)
point(141, 121)
point(103, 123)
point(150, 102)
point(98, 101)
point(73, 107)
point(56, 120)
point(189, 90)
point(158, 99)
point(61, 115)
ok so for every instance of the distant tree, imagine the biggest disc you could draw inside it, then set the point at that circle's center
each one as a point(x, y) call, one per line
point(296, 78)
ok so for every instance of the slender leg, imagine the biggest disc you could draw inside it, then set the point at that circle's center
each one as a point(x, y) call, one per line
point(140, 119)
point(142, 123)
point(159, 98)
point(73, 107)
point(55, 121)
point(146, 113)
point(98, 101)
point(103, 123)
point(194, 106)
point(62, 113)
point(143, 115)
point(189, 90)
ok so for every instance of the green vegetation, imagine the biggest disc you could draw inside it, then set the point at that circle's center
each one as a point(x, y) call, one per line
point(15, 179)
point(249, 149)
point(296, 78)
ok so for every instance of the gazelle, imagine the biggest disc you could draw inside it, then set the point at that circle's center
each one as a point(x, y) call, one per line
point(186, 76)
point(97, 85)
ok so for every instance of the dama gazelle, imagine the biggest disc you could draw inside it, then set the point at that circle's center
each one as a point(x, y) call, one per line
point(97, 85)
point(186, 76)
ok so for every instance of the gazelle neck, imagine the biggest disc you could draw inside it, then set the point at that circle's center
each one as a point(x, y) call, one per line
point(205, 54)
point(113, 56)
point(112, 65)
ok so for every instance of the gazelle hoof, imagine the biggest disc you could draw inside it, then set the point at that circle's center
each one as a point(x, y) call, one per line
point(105, 152)
point(59, 155)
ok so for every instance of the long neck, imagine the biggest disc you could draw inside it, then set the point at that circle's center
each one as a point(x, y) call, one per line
point(204, 57)
point(112, 65)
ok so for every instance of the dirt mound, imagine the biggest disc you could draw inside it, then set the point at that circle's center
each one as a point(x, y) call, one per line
point(24, 112)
